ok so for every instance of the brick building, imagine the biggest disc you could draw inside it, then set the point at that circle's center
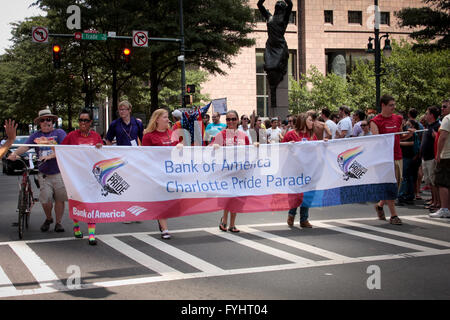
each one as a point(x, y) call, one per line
point(329, 34)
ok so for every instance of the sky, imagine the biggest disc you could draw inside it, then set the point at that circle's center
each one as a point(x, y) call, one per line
point(13, 11)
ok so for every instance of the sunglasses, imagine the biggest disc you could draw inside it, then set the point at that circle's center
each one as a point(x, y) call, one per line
point(84, 120)
point(244, 119)
point(231, 119)
point(444, 107)
point(46, 119)
point(363, 125)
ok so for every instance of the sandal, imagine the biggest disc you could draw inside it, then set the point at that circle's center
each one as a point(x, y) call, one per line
point(380, 212)
point(430, 207)
point(233, 229)
point(395, 220)
point(223, 226)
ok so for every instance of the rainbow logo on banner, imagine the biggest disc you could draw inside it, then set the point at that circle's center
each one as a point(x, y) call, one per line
point(103, 172)
point(346, 163)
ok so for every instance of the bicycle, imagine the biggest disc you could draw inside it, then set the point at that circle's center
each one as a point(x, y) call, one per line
point(26, 199)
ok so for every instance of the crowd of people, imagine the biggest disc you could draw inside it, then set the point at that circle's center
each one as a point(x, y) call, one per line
point(422, 156)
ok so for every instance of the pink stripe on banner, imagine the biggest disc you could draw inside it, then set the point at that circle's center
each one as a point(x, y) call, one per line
point(106, 212)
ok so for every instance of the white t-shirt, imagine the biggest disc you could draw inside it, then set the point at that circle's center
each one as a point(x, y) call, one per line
point(332, 126)
point(273, 135)
point(345, 124)
point(247, 132)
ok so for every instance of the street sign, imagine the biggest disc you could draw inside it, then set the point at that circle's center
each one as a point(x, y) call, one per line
point(140, 38)
point(94, 36)
point(39, 34)
point(78, 35)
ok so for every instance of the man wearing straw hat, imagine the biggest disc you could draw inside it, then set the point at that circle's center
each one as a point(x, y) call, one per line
point(51, 184)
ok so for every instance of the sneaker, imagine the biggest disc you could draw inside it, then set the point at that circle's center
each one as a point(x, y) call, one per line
point(380, 212)
point(59, 228)
point(441, 213)
point(290, 220)
point(46, 225)
point(165, 235)
point(395, 220)
point(305, 224)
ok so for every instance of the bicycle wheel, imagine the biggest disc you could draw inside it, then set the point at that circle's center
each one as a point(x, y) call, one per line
point(22, 206)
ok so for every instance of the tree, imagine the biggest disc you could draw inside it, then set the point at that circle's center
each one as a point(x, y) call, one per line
point(434, 21)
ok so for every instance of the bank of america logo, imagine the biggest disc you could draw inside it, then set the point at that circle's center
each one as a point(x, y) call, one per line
point(136, 210)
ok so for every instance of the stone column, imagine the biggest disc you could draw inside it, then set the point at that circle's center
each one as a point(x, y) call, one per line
point(282, 109)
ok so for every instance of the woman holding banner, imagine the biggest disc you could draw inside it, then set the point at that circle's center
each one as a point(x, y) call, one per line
point(231, 136)
point(158, 133)
point(303, 131)
point(84, 136)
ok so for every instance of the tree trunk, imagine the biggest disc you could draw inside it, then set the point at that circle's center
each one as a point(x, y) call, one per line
point(115, 94)
point(153, 89)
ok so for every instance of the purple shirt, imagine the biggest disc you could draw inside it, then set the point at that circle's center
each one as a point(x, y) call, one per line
point(125, 133)
point(49, 166)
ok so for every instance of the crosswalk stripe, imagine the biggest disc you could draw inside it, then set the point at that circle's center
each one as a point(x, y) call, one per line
point(38, 268)
point(138, 256)
point(442, 222)
point(294, 244)
point(374, 237)
point(6, 286)
point(261, 247)
point(180, 254)
point(397, 233)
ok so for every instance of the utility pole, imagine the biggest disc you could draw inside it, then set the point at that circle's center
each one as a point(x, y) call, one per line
point(181, 58)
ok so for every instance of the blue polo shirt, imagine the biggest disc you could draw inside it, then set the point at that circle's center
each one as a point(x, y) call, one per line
point(125, 133)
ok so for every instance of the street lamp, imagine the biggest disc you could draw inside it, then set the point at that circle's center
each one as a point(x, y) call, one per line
point(377, 52)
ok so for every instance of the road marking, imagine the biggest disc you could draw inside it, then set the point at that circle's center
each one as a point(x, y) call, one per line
point(295, 244)
point(6, 286)
point(375, 238)
point(39, 269)
point(397, 233)
point(138, 256)
point(261, 247)
point(180, 254)
point(442, 222)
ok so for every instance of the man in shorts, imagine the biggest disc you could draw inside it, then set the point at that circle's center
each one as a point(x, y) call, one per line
point(52, 188)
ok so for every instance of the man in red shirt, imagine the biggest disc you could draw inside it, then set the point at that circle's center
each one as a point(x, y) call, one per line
point(388, 122)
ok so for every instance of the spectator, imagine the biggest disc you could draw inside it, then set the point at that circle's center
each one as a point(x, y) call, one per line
point(358, 117)
point(344, 127)
point(84, 136)
point(442, 172)
point(320, 128)
point(259, 131)
point(158, 133)
point(274, 133)
point(244, 126)
point(127, 130)
point(332, 126)
point(214, 128)
point(304, 131)
point(388, 122)
point(52, 188)
point(10, 130)
point(230, 136)
point(427, 152)
point(365, 128)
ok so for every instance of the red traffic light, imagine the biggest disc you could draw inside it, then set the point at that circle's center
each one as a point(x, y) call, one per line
point(190, 88)
point(56, 48)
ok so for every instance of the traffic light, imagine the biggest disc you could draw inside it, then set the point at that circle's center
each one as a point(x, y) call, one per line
point(56, 56)
point(188, 100)
point(126, 53)
point(190, 88)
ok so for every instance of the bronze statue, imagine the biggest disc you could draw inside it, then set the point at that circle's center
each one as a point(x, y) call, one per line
point(276, 55)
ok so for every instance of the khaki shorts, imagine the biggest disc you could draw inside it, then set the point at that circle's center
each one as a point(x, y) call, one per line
point(398, 166)
point(52, 188)
point(428, 167)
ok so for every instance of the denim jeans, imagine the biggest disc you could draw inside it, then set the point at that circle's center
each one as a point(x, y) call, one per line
point(304, 213)
point(409, 176)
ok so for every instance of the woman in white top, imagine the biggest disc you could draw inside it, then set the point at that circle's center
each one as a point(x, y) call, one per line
point(244, 127)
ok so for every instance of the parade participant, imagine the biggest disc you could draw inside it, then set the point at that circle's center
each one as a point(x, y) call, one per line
point(344, 127)
point(51, 183)
point(158, 133)
point(244, 126)
point(274, 133)
point(214, 128)
point(332, 126)
point(10, 130)
point(358, 117)
point(84, 136)
point(304, 131)
point(127, 130)
point(231, 136)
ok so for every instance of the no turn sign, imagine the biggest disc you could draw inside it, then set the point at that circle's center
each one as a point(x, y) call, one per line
point(39, 34)
point(140, 38)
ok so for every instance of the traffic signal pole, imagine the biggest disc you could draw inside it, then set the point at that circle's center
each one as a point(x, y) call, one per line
point(182, 57)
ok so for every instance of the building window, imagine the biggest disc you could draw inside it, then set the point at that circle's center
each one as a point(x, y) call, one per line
point(355, 17)
point(260, 18)
point(328, 16)
point(385, 18)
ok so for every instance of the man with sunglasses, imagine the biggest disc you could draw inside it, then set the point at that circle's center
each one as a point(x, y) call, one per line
point(52, 188)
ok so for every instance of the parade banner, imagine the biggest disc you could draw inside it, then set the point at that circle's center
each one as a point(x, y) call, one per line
point(121, 183)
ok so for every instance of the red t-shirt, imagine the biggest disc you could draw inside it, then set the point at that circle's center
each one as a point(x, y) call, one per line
point(75, 138)
point(158, 138)
point(391, 124)
point(293, 135)
point(229, 137)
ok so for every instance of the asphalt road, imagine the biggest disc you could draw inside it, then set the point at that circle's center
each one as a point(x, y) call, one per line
point(349, 254)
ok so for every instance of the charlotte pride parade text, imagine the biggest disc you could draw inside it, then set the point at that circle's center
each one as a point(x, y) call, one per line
point(226, 182)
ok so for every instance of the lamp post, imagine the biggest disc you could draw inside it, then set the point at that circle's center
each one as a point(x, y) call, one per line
point(387, 50)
